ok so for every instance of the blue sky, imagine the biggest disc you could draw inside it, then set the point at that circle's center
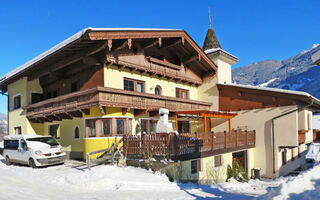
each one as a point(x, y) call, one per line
point(251, 30)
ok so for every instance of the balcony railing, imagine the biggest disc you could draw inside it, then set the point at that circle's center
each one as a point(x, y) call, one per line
point(187, 146)
point(73, 104)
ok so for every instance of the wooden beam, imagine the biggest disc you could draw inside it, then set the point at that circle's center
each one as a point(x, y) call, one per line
point(85, 111)
point(190, 59)
point(78, 56)
point(102, 110)
point(109, 45)
point(122, 45)
point(139, 111)
point(229, 123)
point(90, 60)
point(129, 43)
point(176, 118)
point(150, 44)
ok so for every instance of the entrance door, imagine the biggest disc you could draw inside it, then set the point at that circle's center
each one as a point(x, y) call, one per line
point(240, 158)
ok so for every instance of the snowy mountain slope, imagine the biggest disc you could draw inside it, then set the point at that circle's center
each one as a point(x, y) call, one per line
point(295, 73)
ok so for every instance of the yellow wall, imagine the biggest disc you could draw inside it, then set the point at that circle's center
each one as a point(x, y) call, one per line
point(113, 77)
point(18, 117)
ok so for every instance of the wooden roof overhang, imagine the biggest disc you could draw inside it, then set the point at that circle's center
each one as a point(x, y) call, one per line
point(93, 46)
point(206, 114)
point(276, 97)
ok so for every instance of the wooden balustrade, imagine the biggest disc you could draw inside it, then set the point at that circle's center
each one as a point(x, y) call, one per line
point(183, 146)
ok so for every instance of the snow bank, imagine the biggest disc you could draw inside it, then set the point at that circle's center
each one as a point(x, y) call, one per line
point(73, 182)
point(1, 144)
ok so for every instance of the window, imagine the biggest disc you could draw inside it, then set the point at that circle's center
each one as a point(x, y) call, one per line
point(133, 85)
point(17, 130)
point(75, 86)
point(92, 127)
point(76, 134)
point(195, 166)
point(284, 156)
point(23, 144)
point(182, 93)
point(53, 131)
point(217, 161)
point(11, 144)
point(120, 126)
point(17, 102)
point(184, 127)
point(106, 127)
point(148, 126)
point(158, 90)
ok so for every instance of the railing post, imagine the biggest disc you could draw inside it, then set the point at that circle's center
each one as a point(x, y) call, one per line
point(236, 131)
point(212, 138)
point(175, 145)
point(225, 139)
point(88, 161)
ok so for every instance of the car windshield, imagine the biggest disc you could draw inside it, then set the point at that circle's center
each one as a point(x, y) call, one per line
point(48, 140)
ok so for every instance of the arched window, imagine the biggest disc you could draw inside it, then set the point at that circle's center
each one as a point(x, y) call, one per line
point(76, 134)
point(158, 90)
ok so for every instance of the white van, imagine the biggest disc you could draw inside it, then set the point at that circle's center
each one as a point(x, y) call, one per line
point(34, 150)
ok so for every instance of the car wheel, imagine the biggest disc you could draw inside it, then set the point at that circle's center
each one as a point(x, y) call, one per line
point(32, 163)
point(8, 162)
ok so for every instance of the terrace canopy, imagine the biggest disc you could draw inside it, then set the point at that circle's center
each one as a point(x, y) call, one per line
point(205, 114)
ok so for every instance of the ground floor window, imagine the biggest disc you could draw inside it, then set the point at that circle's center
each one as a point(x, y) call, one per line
point(218, 161)
point(17, 130)
point(184, 127)
point(195, 166)
point(53, 131)
point(148, 126)
point(120, 126)
point(107, 127)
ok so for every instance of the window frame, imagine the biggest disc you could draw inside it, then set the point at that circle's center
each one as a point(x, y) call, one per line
point(184, 121)
point(180, 91)
point(135, 84)
point(160, 90)
point(17, 127)
point(110, 127)
point(148, 124)
point(13, 101)
point(198, 165)
point(49, 126)
point(221, 162)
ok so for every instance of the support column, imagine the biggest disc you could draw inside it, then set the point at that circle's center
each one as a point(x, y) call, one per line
point(176, 118)
point(229, 125)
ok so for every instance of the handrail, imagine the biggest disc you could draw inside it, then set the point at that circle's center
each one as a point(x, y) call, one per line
point(101, 151)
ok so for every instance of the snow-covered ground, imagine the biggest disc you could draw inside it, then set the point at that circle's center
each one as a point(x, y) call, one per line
point(110, 182)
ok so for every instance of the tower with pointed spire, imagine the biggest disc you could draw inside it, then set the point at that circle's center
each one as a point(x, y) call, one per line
point(220, 57)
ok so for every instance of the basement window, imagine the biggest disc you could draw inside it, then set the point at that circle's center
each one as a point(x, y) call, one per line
point(195, 166)
point(17, 130)
point(284, 156)
point(218, 161)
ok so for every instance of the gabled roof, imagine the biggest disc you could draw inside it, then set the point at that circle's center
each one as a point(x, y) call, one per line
point(211, 40)
point(97, 38)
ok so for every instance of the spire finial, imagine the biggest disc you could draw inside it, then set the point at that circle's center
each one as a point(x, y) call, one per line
point(209, 18)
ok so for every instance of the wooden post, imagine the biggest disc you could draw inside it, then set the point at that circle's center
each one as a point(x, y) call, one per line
point(205, 129)
point(225, 139)
point(236, 138)
point(176, 116)
point(212, 138)
point(229, 125)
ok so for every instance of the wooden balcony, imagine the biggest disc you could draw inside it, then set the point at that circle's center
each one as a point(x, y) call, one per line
point(76, 103)
point(302, 136)
point(187, 146)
